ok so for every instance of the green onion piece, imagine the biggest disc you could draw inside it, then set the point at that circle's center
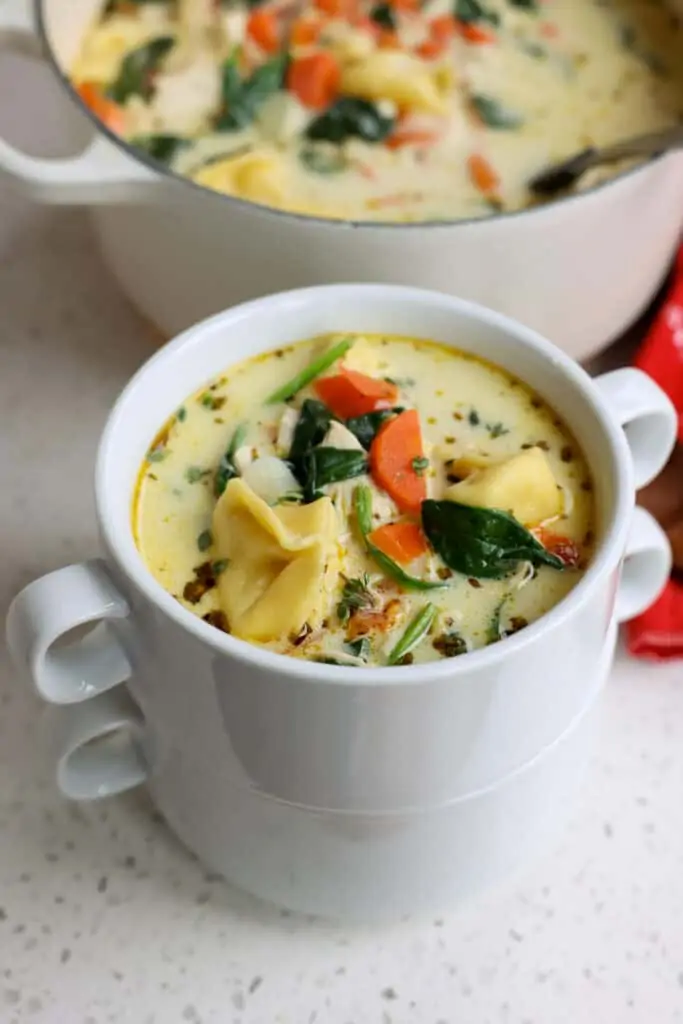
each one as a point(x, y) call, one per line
point(416, 631)
point(362, 501)
point(312, 371)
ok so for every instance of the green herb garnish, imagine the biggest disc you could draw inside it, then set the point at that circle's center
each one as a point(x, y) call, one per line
point(495, 114)
point(205, 540)
point(493, 630)
point(322, 161)
point(356, 594)
point(420, 464)
point(526, 5)
point(481, 542)
point(415, 632)
point(226, 467)
point(350, 117)
point(310, 372)
point(362, 500)
point(242, 98)
point(474, 418)
point(450, 645)
point(211, 401)
point(193, 474)
point(136, 75)
point(220, 565)
point(364, 428)
point(181, 414)
point(157, 454)
point(360, 648)
point(496, 430)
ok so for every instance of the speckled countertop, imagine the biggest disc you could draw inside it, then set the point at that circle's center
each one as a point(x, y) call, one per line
point(105, 918)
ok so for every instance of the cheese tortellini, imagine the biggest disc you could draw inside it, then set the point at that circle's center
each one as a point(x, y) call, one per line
point(279, 563)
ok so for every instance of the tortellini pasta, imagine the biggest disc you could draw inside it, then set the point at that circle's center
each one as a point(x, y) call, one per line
point(257, 175)
point(523, 485)
point(278, 562)
point(399, 77)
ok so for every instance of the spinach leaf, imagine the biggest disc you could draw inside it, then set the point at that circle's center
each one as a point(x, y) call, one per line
point(161, 147)
point(365, 427)
point(415, 632)
point(243, 97)
point(481, 542)
point(384, 16)
point(362, 502)
point(136, 74)
point(360, 648)
point(471, 11)
point(322, 162)
point(526, 5)
point(226, 467)
point(350, 117)
point(311, 427)
point(494, 114)
point(322, 466)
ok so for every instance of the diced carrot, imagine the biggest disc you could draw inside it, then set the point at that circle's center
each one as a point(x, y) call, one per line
point(351, 393)
point(402, 542)
point(411, 137)
point(442, 28)
point(565, 549)
point(393, 453)
point(405, 5)
point(430, 48)
point(549, 31)
point(315, 79)
point(337, 8)
point(106, 110)
point(387, 39)
point(483, 175)
point(304, 32)
point(262, 27)
point(474, 33)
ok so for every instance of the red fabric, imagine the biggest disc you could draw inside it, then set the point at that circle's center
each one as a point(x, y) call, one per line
point(658, 632)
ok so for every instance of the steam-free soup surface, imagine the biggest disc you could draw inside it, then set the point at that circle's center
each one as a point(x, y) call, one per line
point(401, 110)
point(409, 503)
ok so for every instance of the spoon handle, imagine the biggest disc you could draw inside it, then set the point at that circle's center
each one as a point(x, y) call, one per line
point(642, 145)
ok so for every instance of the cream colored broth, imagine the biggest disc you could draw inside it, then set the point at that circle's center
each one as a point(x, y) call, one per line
point(459, 111)
point(471, 415)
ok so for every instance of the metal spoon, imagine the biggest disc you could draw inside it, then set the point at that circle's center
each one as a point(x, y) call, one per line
point(562, 176)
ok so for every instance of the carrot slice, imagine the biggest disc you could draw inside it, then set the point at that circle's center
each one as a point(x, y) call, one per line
point(565, 549)
point(305, 32)
point(262, 27)
point(402, 542)
point(392, 456)
point(483, 175)
point(350, 393)
point(387, 39)
point(337, 8)
point(106, 110)
point(474, 33)
point(411, 137)
point(405, 5)
point(314, 80)
point(442, 28)
point(430, 48)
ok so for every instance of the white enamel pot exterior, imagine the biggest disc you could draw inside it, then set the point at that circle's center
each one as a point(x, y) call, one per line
point(578, 271)
point(334, 790)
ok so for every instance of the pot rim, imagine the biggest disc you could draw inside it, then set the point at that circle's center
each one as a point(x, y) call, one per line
point(166, 172)
point(127, 557)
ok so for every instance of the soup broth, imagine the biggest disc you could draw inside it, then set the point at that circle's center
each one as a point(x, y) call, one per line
point(397, 111)
point(366, 500)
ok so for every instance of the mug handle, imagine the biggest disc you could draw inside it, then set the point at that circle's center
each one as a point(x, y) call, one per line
point(647, 416)
point(100, 174)
point(646, 566)
point(45, 611)
point(100, 747)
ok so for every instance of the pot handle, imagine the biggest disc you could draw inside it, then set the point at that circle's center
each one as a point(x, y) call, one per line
point(100, 174)
point(648, 417)
point(99, 747)
point(43, 614)
point(646, 566)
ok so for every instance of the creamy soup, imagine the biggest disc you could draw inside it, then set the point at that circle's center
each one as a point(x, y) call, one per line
point(401, 110)
point(366, 500)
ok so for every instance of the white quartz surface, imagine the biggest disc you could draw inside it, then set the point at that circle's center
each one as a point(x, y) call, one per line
point(105, 918)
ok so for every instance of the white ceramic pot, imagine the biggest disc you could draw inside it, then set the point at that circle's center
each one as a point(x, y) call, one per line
point(579, 271)
point(330, 789)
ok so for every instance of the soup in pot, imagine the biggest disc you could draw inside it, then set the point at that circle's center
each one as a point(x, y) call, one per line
point(394, 111)
point(366, 500)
